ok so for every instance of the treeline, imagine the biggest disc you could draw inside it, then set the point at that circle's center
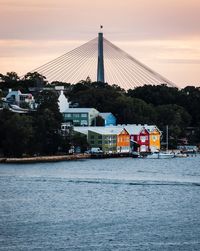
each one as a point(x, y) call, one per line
point(38, 133)
point(160, 105)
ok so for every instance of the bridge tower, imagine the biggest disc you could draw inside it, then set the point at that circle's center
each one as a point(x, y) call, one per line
point(100, 66)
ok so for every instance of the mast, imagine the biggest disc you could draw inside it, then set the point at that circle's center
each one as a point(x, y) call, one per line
point(167, 143)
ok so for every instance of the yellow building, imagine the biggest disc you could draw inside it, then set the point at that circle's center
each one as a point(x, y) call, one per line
point(154, 138)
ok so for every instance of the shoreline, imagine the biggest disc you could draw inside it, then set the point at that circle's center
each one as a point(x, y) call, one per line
point(46, 159)
point(73, 157)
point(57, 158)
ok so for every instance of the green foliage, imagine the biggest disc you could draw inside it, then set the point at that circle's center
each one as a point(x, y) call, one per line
point(22, 134)
point(155, 94)
point(99, 121)
point(47, 122)
point(9, 77)
point(160, 105)
point(16, 133)
point(79, 140)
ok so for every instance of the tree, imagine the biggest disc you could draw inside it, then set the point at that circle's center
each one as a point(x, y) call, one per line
point(9, 77)
point(79, 140)
point(133, 111)
point(35, 79)
point(176, 117)
point(16, 134)
point(155, 94)
point(47, 122)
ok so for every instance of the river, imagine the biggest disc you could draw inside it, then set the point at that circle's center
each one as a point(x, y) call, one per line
point(110, 204)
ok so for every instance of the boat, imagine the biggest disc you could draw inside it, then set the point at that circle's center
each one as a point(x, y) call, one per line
point(181, 155)
point(160, 155)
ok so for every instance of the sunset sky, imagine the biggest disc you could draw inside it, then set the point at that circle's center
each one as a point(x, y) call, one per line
point(163, 34)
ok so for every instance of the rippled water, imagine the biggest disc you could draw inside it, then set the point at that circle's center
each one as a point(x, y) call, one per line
point(111, 204)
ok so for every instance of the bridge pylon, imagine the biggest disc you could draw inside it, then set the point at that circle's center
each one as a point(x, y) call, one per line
point(100, 66)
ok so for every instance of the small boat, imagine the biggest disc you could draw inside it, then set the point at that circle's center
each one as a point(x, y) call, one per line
point(160, 155)
point(181, 155)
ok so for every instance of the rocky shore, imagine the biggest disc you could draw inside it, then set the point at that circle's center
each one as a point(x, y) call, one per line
point(45, 158)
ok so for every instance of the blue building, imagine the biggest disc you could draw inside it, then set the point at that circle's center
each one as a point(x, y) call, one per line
point(108, 117)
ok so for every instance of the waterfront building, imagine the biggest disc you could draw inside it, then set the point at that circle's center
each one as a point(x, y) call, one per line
point(102, 138)
point(145, 138)
point(109, 139)
point(140, 136)
point(154, 137)
point(81, 116)
point(123, 141)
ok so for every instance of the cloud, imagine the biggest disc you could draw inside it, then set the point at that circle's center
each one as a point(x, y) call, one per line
point(77, 19)
point(164, 34)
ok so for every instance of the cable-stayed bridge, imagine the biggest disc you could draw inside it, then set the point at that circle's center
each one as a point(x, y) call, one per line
point(102, 61)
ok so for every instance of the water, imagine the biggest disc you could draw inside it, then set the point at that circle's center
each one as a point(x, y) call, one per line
point(111, 204)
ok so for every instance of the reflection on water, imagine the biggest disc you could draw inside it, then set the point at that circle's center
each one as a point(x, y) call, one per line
point(111, 204)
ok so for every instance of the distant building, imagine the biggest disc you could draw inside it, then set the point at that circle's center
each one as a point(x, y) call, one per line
point(81, 116)
point(18, 98)
point(66, 128)
point(108, 117)
point(63, 102)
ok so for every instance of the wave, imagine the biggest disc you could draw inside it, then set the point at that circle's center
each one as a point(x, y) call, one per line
point(104, 181)
point(134, 182)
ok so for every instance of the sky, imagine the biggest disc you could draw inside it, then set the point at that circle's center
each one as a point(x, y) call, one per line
point(163, 34)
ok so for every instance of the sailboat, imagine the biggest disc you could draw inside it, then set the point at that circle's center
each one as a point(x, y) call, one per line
point(162, 155)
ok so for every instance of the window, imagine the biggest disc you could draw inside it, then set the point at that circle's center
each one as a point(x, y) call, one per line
point(84, 115)
point(92, 136)
point(100, 137)
point(76, 122)
point(143, 138)
point(67, 115)
point(84, 122)
point(76, 115)
point(154, 138)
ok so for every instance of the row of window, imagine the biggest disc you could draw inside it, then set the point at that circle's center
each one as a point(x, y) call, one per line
point(123, 139)
point(75, 115)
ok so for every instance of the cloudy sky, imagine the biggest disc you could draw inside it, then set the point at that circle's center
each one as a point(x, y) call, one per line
point(164, 34)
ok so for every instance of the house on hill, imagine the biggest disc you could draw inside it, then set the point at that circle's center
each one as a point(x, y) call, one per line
point(18, 98)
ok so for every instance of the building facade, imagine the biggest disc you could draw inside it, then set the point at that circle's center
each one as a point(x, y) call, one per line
point(106, 141)
point(154, 138)
point(123, 141)
point(108, 117)
point(81, 116)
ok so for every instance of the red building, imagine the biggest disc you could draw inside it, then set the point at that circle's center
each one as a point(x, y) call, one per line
point(139, 135)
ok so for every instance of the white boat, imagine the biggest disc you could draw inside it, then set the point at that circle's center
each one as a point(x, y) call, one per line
point(160, 155)
point(181, 155)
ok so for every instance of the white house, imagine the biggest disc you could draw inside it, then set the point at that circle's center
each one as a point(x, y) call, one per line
point(63, 102)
